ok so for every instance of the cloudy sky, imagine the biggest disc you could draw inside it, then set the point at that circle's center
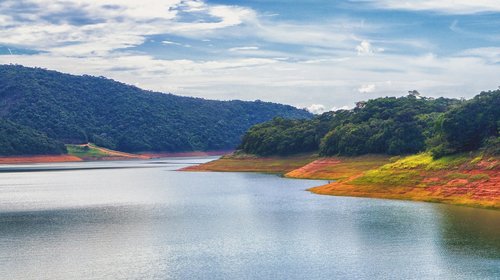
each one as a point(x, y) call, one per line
point(320, 54)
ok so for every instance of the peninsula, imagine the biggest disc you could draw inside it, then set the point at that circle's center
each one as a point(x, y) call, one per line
point(411, 148)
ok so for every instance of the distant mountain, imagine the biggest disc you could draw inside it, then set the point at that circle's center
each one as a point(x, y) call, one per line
point(78, 109)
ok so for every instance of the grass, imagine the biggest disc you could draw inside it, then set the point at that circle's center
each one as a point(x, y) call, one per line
point(448, 162)
point(93, 152)
point(85, 151)
point(427, 162)
point(411, 171)
point(383, 177)
point(479, 177)
point(453, 176)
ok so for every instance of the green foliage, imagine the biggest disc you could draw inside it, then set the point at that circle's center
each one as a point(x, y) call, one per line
point(479, 177)
point(467, 127)
point(281, 137)
point(491, 146)
point(388, 125)
point(394, 126)
point(81, 109)
point(17, 139)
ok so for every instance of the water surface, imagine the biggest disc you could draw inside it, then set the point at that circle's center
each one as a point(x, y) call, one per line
point(143, 220)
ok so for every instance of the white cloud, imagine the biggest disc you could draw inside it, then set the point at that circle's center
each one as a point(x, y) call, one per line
point(119, 24)
point(341, 108)
point(364, 48)
point(325, 72)
point(4, 20)
point(367, 88)
point(489, 54)
point(328, 83)
point(249, 48)
point(113, 24)
point(316, 108)
point(166, 42)
point(443, 6)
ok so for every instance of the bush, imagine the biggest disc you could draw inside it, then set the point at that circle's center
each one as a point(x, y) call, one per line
point(491, 146)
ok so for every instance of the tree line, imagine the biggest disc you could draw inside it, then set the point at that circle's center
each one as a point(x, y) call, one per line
point(81, 109)
point(16, 139)
point(389, 125)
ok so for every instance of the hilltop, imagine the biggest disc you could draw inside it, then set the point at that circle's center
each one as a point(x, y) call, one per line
point(80, 109)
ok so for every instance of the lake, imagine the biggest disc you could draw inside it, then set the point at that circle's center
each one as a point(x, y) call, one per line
point(144, 220)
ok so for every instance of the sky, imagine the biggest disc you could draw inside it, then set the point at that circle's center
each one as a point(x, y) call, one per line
point(315, 54)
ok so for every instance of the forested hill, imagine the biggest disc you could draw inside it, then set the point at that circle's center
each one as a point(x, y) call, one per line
point(16, 139)
point(77, 109)
point(388, 125)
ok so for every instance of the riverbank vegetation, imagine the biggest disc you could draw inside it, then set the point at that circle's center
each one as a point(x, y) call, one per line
point(414, 148)
point(392, 126)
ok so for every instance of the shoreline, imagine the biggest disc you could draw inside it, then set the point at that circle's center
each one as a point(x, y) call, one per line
point(39, 159)
point(153, 155)
point(110, 155)
point(465, 180)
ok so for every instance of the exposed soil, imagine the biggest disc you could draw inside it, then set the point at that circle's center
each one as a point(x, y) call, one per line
point(38, 159)
point(470, 184)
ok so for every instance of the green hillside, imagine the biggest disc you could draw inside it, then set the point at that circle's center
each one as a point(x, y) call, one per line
point(16, 139)
point(81, 109)
point(394, 126)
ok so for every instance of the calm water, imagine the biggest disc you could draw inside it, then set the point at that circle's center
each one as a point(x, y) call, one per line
point(142, 220)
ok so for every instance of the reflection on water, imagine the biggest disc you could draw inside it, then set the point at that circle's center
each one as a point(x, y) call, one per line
point(464, 228)
point(145, 221)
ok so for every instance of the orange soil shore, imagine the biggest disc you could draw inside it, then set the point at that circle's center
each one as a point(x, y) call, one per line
point(433, 186)
point(38, 159)
point(475, 185)
point(232, 163)
point(338, 168)
point(111, 155)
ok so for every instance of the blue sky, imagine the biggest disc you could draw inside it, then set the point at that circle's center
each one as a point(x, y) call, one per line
point(316, 54)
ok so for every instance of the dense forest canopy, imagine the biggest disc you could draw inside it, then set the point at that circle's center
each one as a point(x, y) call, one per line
point(16, 139)
point(388, 125)
point(474, 124)
point(80, 109)
point(41, 109)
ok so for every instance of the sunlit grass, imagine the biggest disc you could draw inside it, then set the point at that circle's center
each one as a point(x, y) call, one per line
point(383, 177)
point(85, 151)
point(427, 162)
